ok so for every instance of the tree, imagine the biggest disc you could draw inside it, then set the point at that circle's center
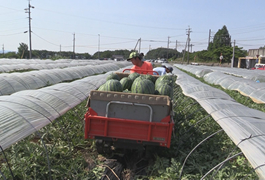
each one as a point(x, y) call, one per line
point(221, 39)
point(162, 53)
point(109, 54)
point(9, 55)
point(23, 52)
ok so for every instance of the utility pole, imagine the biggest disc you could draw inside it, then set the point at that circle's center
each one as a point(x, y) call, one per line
point(189, 31)
point(140, 40)
point(98, 44)
point(60, 51)
point(3, 49)
point(188, 55)
point(209, 37)
point(187, 43)
point(28, 11)
point(74, 46)
point(191, 47)
point(167, 46)
point(232, 60)
point(176, 49)
point(184, 52)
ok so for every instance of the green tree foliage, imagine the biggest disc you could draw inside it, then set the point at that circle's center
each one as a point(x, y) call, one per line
point(109, 54)
point(221, 44)
point(44, 54)
point(9, 55)
point(162, 53)
point(213, 55)
point(23, 52)
point(221, 39)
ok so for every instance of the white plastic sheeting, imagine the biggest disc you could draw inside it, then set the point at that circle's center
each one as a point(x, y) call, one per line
point(25, 112)
point(245, 126)
point(7, 65)
point(253, 75)
point(13, 82)
point(245, 83)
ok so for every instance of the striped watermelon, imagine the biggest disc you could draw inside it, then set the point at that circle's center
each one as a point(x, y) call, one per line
point(133, 76)
point(149, 77)
point(165, 89)
point(126, 83)
point(143, 86)
point(167, 79)
point(113, 76)
point(112, 85)
point(101, 88)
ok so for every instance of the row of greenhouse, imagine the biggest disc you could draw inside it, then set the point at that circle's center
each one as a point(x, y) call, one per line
point(244, 126)
point(26, 111)
point(249, 83)
point(9, 65)
point(18, 81)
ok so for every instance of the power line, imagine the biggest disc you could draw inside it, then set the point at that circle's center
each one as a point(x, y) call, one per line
point(11, 34)
point(125, 24)
point(11, 20)
point(13, 29)
point(11, 8)
point(45, 39)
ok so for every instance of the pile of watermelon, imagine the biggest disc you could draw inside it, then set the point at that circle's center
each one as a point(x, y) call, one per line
point(140, 83)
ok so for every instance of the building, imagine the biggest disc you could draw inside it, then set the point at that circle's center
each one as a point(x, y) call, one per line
point(118, 57)
point(255, 56)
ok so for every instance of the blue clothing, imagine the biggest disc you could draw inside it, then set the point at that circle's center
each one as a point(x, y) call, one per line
point(160, 70)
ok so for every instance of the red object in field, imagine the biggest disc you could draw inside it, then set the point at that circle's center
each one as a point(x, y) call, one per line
point(259, 68)
point(127, 129)
point(140, 71)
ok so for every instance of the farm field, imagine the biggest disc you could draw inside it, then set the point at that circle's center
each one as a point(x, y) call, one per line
point(56, 149)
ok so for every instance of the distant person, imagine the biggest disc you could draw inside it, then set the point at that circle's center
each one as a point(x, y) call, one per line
point(163, 70)
point(141, 67)
point(257, 60)
point(221, 58)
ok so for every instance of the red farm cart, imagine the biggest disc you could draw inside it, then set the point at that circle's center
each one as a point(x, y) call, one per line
point(128, 120)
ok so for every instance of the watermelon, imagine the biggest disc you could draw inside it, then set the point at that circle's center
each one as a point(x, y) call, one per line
point(126, 83)
point(143, 86)
point(149, 76)
point(112, 85)
point(133, 76)
point(113, 76)
point(165, 89)
point(167, 79)
point(101, 88)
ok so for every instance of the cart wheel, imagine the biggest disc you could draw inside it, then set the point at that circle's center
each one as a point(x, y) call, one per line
point(113, 170)
point(107, 148)
point(100, 146)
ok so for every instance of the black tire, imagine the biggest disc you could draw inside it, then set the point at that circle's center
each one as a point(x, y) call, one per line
point(100, 146)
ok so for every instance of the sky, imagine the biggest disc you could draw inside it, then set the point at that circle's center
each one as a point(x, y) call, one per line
point(88, 26)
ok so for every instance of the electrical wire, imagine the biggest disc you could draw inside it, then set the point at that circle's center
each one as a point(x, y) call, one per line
point(11, 34)
point(11, 8)
point(119, 23)
point(45, 39)
point(13, 29)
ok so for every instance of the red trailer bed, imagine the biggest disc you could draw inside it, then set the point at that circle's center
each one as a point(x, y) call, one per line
point(129, 117)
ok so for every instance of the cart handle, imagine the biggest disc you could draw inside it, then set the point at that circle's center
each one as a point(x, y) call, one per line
point(129, 103)
point(139, 70)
